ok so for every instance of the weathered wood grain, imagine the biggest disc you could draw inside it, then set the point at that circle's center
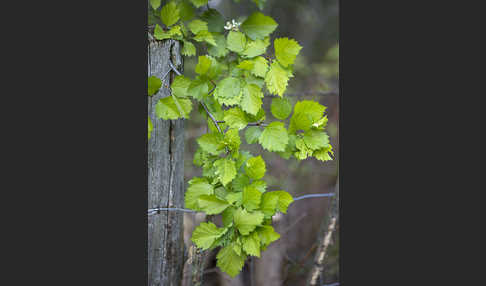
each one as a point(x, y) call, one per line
point(165, 176)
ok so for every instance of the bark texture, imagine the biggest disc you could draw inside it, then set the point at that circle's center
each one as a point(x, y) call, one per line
point(165, 175)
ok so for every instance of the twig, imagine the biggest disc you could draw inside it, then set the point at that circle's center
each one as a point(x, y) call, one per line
point(252, 123)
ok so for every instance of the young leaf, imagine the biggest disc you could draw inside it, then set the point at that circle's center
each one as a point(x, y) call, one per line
point(197, 26)
point(260, 67)
point(235, 118)
point(284, 200)
point(252, 134)
point(228, 91)
point(240, 182)
point(205, 234)
point(198, 88)
point(251, 198)
point(210, 204)
point(180, 85)
point(219, 50)
point(232, 140)
point(306, 113)
point(154, 84)
point(203, 65)
point(167, 108)
point(173, 33)
point(169, 14)
point(188, 49)
point(211, 143)
point(235, 198)
point(286, 50)
point(274, 138)
point(236, 41)
point(229, 261)
point(255, 168)
point(256, 48)
point(251, 244)
point(267, 234)
point(277, 78)
point(205, 36)
point(269, 203)
point(324, 154)
point(225, 170)
point(246, 222)
point(259, 185)
point(258, 26)
point(197, 187)
point(251, 100)
point(227, 216)
point(315, 139)
point(281, 107)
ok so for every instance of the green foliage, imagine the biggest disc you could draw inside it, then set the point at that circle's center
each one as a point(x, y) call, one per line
point(239, 68)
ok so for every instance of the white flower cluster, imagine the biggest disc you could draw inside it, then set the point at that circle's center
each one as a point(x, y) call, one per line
point(233, 25)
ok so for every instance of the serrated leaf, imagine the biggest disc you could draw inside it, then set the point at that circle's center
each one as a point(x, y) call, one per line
point(243, 156)
point(281, 107)
point(227, 216)
point(225, 170)
point(276, 79)
point(260, 67)
point(170, 14)
point(324, 154)
point(197, 26)
point(269, 203)
point(251, 99)
point(235, 118)
point(167, 108)
point(205, 234)
point(188, 49)
point(205, 36)
point(274, 137)
point(267, 234)
point(150, 128)
point(258, 26)
point(180, 85)
point(210, 204)
point(229, 261)
point(228, 91)
point(199, 3)
point(245, 65)
point(284, 200)
point(154, 84)
point(235, 198)
point(219, 50)
point(232, 139)
point(306, 113)
point(173, 33)
point(303, 151)
point(155, 4)
point(255, 168)
point(203, 65)
point(214, 19)
point(259, 185)
point(251, 198)
point(255, 48)
point(251, 244)
point(186, 11)
point(211, 143)
point(197, 187)
point(316, 139)
point(252, 134)
point(286, 50)
point(198, 88)
point(240, 182)
point(246, 222)
point(236, 41)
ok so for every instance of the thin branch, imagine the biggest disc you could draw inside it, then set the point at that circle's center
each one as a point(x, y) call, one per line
point(309, 93)
point(252, 123)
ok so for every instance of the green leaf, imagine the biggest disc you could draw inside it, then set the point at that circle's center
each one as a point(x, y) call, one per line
point(235, 198)
point(259, 185)
point(286, 50)
point(324, 154)
point(274, 137)
point(227, 216)
point(198, 88)
point(167, 108)
point(246, 222)
point(306, 113)
point(154, 84)
point(173, 33)
point(255, 168)
point(186, 11)
point(197, 26)
point(150, 127)
point(155, 4)
point(211, 143)
point(235, 118)
point(269, 203)
point(281, 107)
point(188, 49)
point(228, 91)
point(205, 36)
point(252, 134)
point(229, 261)
point(199, 3)
point(256, 48)
point(205, 234)
point(169, 14)
point(251, 244)
point(214, 19)
point(197, 187)
point(267, 234)
point(251, 198)
point(203, 65)
point(232, 140)
point(240, 182)
point(277, 78)
point(258, 26)
point(236, 41)
point(225, 170)
point(284, 200)
point(242, 158)
point(245, 65)
point(210, 204)
point(219, 50)
point(315, 139)
point(260, 3)
point(180, 85)
point(251, 100)
point(260, 67)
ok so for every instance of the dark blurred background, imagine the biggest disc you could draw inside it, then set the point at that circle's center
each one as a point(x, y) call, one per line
point(315, 25)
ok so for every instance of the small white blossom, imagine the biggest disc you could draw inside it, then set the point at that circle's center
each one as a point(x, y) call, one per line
point(233, 25)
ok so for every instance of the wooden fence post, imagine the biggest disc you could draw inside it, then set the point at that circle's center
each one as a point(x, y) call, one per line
point(165, 175)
